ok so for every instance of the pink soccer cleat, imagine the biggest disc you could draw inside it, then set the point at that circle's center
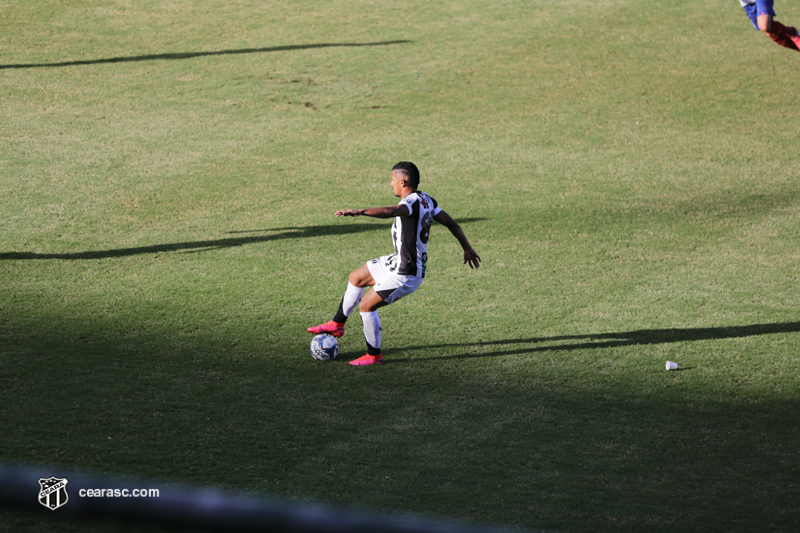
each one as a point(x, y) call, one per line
point(794, 36)
point(334, 328)
point(366, 360)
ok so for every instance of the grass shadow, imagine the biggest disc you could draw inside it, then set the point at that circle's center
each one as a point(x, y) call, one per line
point(610, 340)
point(192, 55)
point(325, 230)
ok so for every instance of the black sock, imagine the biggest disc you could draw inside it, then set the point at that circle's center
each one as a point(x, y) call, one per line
point(339, 316)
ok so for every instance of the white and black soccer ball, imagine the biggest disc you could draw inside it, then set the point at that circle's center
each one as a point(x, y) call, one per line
point(324, 347)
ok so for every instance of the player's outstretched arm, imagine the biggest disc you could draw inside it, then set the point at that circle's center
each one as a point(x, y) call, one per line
point(376, 212)
point(471, 257)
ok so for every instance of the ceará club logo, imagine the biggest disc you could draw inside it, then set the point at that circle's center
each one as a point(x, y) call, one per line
point(53, 492)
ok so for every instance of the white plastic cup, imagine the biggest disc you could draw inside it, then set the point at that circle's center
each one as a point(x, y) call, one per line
point(672, 366)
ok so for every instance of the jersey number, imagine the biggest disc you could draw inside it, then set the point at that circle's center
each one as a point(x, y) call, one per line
point(425, 232)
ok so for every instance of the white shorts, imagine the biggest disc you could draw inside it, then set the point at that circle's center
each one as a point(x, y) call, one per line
point(390, 286)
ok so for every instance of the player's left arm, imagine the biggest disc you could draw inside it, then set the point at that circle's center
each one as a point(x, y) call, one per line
point(399, 210)
point(471, 257)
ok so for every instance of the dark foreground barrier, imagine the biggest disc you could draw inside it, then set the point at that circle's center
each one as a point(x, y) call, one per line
point(79, 495)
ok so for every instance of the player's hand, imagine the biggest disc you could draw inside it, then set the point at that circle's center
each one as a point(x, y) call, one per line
point(348, 213)
point(472, 258)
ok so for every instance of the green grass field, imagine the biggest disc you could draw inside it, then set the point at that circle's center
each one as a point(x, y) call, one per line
point(628, 172)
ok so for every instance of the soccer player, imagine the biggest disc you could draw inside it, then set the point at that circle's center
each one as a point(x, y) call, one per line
point(761, 13)
point(401, 273)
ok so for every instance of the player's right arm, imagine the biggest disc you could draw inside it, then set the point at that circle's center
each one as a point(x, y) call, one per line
point(471, 257)
point(399, 210)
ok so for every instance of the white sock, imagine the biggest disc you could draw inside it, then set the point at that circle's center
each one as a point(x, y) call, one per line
point(351, 298)
point(372, 329)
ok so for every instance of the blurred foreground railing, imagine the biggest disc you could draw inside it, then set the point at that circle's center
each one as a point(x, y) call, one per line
point(197, 508)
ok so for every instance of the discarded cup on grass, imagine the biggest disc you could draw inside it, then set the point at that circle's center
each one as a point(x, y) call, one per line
point(672, 366)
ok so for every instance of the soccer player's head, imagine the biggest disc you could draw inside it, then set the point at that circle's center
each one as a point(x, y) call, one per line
point(411, 172)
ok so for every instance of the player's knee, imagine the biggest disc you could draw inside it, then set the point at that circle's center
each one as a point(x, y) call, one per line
point(371, 302)
point(358, 278)
point(367, 307)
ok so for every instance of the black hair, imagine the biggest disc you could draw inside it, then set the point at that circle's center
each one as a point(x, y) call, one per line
point(410, 170)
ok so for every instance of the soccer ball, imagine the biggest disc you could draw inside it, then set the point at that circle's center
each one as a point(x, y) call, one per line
point(324, 347)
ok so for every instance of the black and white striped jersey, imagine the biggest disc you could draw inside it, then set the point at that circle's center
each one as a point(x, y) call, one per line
point(410, 235)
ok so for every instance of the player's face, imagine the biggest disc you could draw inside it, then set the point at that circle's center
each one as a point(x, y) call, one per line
point(397, 182)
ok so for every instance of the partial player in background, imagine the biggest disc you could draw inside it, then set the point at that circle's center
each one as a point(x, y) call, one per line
point(761, 14)
point(401, 273)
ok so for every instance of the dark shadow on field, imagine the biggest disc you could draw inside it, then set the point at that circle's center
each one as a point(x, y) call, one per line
point(641, 337)
point(192, 55)
point(326, 230)
point(121, 395)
